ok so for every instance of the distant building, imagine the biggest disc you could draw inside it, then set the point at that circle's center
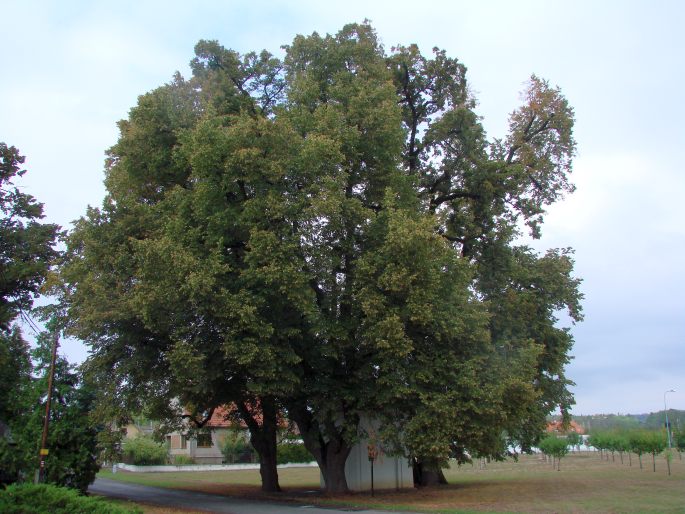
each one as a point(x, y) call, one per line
point(206, 446)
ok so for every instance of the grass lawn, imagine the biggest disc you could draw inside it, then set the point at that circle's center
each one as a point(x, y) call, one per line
point(584, 484)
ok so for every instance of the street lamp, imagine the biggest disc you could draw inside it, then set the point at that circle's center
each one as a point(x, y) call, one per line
point(668, 426)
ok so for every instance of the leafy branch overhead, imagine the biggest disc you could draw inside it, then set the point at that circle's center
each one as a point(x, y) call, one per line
point(26, 244)
point(331, 236)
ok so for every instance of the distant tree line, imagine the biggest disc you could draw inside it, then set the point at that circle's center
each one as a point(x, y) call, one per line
point(651, 421)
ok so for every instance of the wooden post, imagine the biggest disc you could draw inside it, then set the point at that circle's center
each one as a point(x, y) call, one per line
point(373, 453)
point(46, 423)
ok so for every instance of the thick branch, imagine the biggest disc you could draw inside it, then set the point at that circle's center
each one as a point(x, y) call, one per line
point(199, 423)
point(412, 151)
point(438, 200)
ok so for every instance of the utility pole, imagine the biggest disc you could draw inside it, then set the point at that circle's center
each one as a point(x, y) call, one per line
point(46, 423)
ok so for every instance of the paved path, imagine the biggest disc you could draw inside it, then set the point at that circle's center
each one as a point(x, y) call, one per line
point(206, 502)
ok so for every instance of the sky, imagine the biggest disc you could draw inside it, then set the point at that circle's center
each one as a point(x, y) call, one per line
point(72, 69)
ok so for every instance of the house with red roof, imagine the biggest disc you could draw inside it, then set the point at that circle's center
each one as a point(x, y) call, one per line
point(557, 427)
point(205, 446)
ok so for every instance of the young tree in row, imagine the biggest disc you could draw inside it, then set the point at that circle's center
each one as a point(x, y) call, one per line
point(574, 440)
point(331, 235)
point(679, 442)
point(555, 447)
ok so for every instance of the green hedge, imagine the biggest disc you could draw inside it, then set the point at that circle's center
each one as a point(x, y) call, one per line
point(183, 460)
point(144, 451)
point(293, 452)
point(44, 498)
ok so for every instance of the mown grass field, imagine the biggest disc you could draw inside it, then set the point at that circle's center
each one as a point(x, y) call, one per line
point(584, 484)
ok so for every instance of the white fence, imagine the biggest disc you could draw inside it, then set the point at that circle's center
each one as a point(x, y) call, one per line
point(201, 467)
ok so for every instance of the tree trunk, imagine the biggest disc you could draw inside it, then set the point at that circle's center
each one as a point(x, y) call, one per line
point(668, 463)
point(427, 472)
point(268, 470)
point(327, 445)
point(264, 439)
point(334, 469)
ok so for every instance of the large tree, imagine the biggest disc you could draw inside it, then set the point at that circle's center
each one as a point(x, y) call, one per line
point(26, 254)
point(334, 236)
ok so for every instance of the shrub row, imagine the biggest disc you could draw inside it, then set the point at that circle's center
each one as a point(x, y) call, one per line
point(293, 452)
point(42, 498)
point(145, 451)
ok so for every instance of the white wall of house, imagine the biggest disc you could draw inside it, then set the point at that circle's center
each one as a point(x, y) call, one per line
point(388, 472)
point(201, 454)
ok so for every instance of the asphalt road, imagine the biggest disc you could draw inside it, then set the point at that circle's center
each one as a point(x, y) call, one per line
point(206, 502)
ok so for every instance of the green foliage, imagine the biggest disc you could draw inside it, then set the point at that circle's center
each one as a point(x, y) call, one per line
point(553, 446)
point(234, 445)
point(574, 439)
point(293, 452)
point(598, 440)
point(637, 441)
point(42, 498)
point(333, 234)
point(144, 451)
point(15, 373)
point(606, 422)
point(26, 248)
point(655, 442)
point(182, 460)
point(620, 443)
point(657, 420)
point(646, 441)
point(71, 437)
point(679, 441)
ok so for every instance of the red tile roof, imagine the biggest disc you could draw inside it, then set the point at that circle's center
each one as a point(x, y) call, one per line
point(557, 426)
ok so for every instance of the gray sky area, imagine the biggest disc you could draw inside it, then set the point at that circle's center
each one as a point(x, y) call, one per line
point(72, 69)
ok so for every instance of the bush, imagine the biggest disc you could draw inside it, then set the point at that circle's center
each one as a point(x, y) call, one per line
point(41, 498)
point(234, 447)
point(183, 460)
point(144, 451)
point(293, 452)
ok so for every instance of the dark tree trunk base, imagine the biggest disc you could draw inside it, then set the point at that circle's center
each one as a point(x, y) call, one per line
point(334, 470)
point(264, 440)
point(269, 474)
point(427, 474)
point(327, 445)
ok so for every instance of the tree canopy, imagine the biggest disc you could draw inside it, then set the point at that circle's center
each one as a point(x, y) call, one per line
point(26, 255)
point(26, 245)
point(72, 436)
point(331, 235)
